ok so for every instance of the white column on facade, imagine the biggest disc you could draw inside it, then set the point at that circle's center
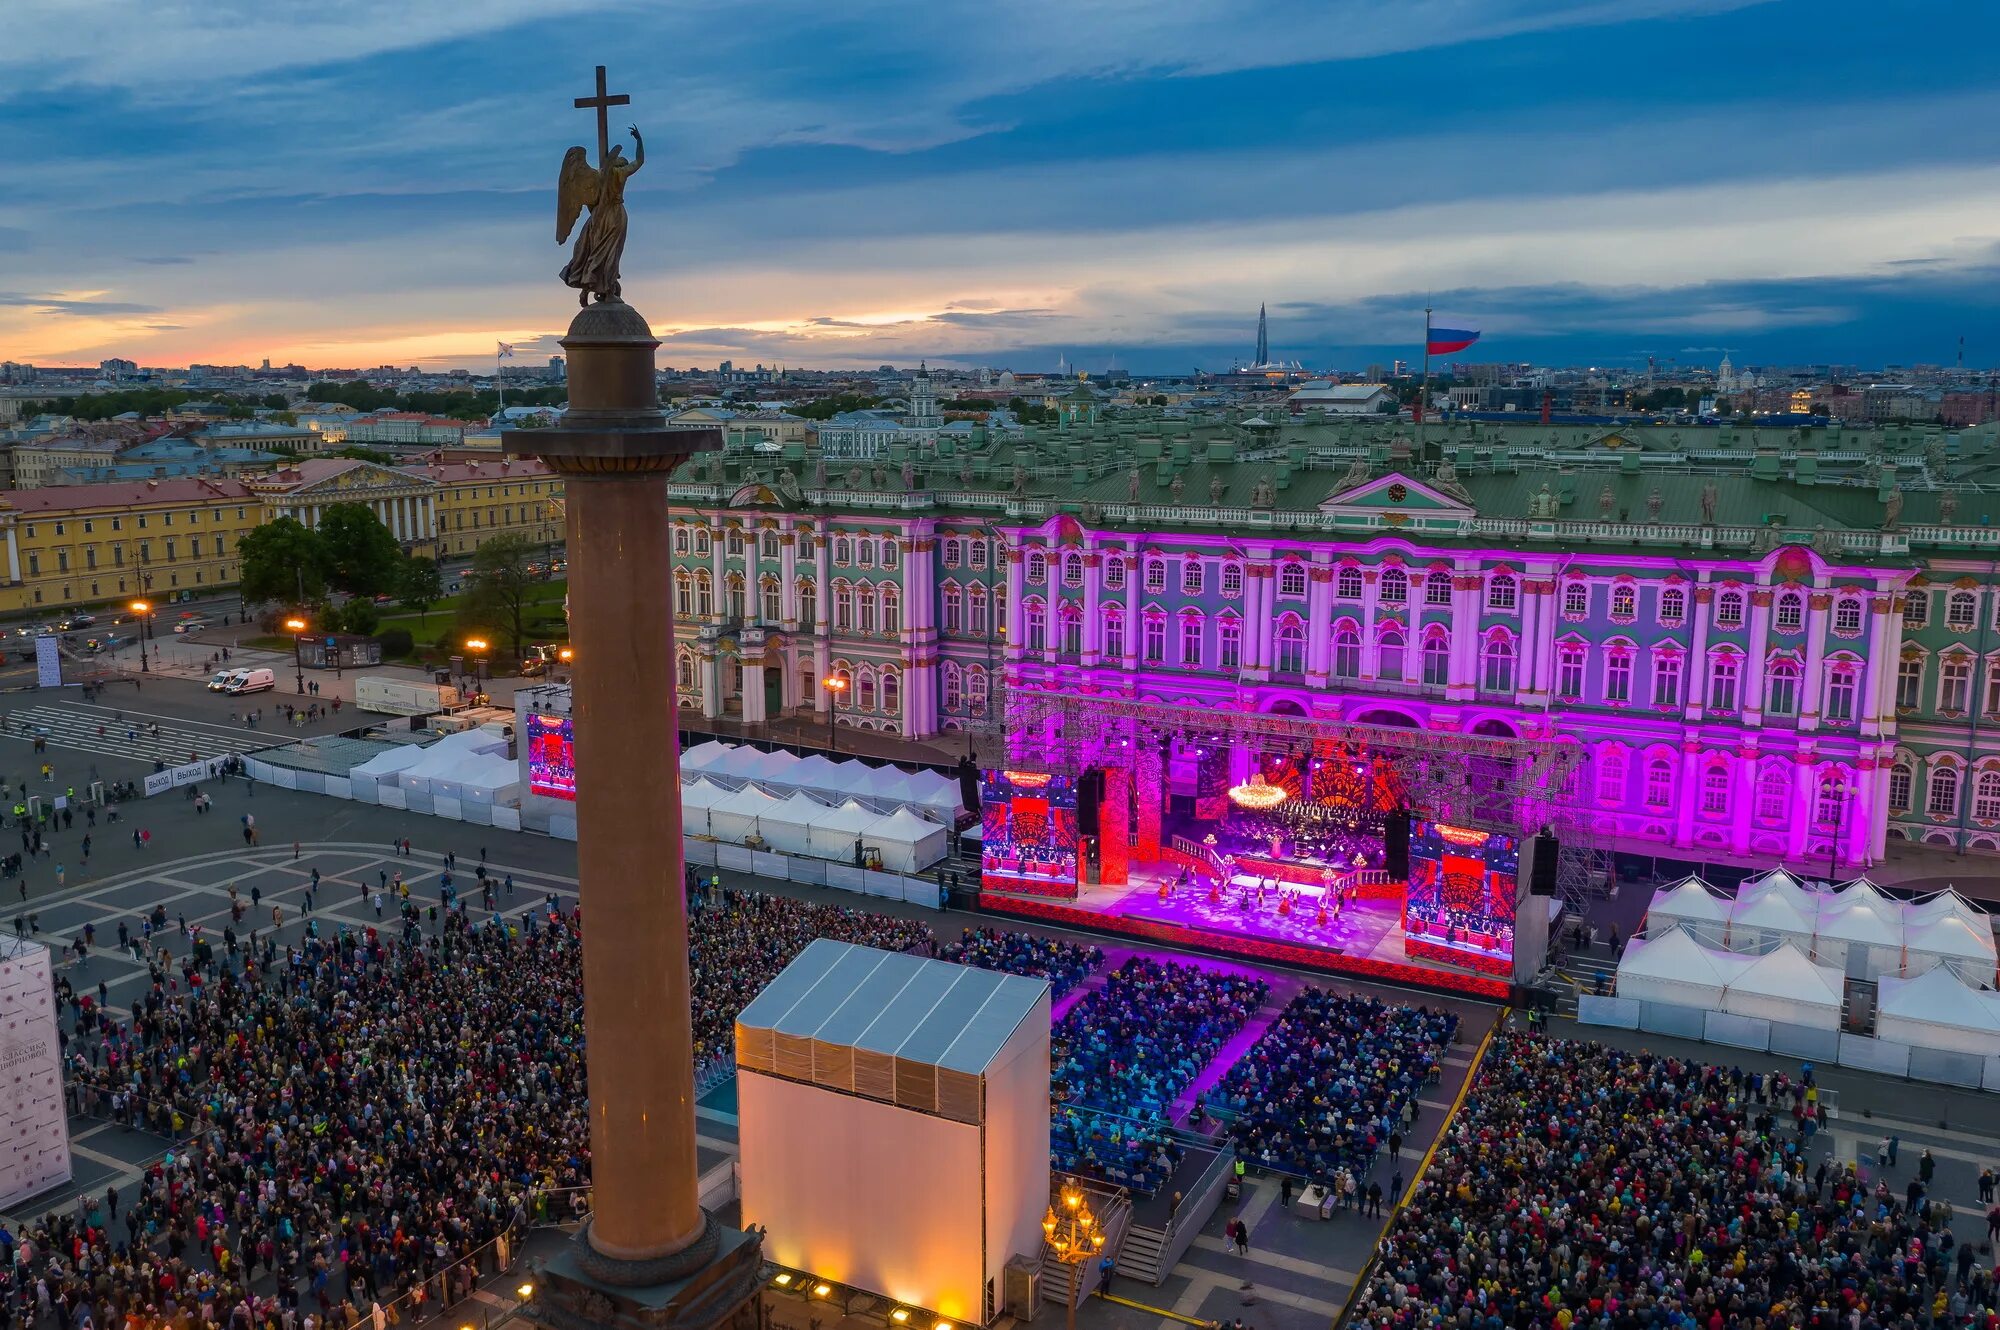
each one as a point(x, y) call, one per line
point(1134, 622)
point(1812, 686)
point(753, 693)
point(1530, 666)
point(711, 685)
point(719, 568)
point(1266, 626)
point(13, 554)
point(407, 510)
point(1802, 803)
point(1857, 832)
point(1878, 811)
point(1093, 591)
point(1544, 591)
point(1690, 791)
point(1017, 582)
point(1464, 632)
point(1371, 602)
point(1694, 680)
point(1760, 645)
point(788, 578)
point(1882, 655)
point(1742, 794)
point(1413, 638)
point(822, 612)
point(1319, 620)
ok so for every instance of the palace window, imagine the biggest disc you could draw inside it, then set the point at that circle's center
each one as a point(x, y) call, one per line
point(1497, 675)
point(1395, 586)
point(1723, 676)
point(683, 594)
point(681, 546)
point(1624, 602)
point(864, 608)
point(1292, 579)
point(1389, 650)
point(1789, 612)
point(1291, 647)
point(1961, 611)
point(1847, 616)
point(735, 543)
point(1569, 672)
point(1673, 607)
point(1038, 568)
point(953, 603)
point(1156, 640)
point(1943, 799)
point(1191, 578)
point(1232, 580)
point(1347, 583)
point(892, 691)
point(1037, 626)
point(1954, 683)
point(954, 687)
point(1346, 653)
point(1156, 576)
point(1114, 572)
point(975, 610)
point(1502, 592)
point(1715, 790)
point(864, 550)
point(1618, 676)
point(1437, 660)
point(975, 690)
point(843, 607)
point(888, 561)
point(808, 603)
point(1071, 615)
point(1993, 688)
point(1229, 643)
point(843, 550)
point(1611, 776)
point(704, 594)
point(1072, 569)
point(1729, 609)
point(1986, 796)
point(1437, 587)
point(892, 610)
point(1576, 599)
point(953, 553)
point(774, 608)
point(1917, 610)
point(1842, 684)
point(1781, 689)
point(1191, 640)
point(976, 552)
point(1773, 793)
point(1114, 633)
point(1901, 782)
point(1659, 782)
point(1909, 684)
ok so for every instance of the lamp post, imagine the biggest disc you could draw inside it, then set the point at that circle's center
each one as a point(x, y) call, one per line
point(1836, 787)
point(143, 610)
point(835, 685)
point(477, 646)
point(297, 628)
point(1074, 1237)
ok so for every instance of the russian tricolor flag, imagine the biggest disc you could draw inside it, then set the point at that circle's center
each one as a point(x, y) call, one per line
point(1444, 341)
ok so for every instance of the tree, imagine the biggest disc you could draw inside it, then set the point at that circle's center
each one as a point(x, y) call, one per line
point(420, 585)
point(276, 401)
point(362, 556)
point(501, 586)
point(360, 617)
point(283, 560)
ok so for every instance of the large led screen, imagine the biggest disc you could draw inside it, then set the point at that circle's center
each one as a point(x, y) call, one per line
point(1460, 908)
point(551, 757)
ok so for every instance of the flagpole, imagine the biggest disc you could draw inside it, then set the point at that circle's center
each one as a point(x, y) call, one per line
point(500, 384)
point(1424, 387)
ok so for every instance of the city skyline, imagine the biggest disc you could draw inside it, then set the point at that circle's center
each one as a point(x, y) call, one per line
point(358, 185)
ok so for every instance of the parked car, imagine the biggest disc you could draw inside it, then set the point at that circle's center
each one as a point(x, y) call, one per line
point(190, 626)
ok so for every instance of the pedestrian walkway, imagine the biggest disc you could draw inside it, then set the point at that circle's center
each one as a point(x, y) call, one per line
point(124, 732)
point(1283, 989)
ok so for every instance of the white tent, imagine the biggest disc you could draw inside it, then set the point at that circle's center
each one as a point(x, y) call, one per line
point(1783, 985)
point(884, 783)
point(772, 767)
point(697, 797)
point(1947, 903)
point(1689, 902)
point(699, 757)
point(739, 763)
point(444, 758)
point(1949, 940)
point(1674, 968)
point(1776, 877)
point(936, 791)
point(1860, 930)
point(737, 816)
point(813, 772)
point(1772, 912)
point(834, 831)
point(907, 842)
point(484, 778)
point(399, 758)
point(1936, 1010)
point(787, 828)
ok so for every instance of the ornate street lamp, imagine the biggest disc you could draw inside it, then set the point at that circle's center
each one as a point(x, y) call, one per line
point(1074, 1237)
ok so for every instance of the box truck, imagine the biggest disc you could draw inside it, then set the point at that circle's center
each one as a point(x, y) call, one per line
point(403, 697)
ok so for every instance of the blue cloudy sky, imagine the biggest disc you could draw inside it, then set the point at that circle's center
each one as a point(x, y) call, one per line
point(348, 182)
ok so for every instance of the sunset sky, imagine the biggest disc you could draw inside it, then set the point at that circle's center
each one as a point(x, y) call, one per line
point(352, 182)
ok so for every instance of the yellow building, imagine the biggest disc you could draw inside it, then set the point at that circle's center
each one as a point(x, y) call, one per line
point(73, 545)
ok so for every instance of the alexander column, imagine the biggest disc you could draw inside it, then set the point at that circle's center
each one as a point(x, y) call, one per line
point(650, 1256)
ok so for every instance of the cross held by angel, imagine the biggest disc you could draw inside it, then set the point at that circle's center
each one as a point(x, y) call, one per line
point(593, 265)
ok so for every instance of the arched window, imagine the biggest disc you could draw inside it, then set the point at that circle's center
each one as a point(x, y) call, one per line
point(808, 602)
point(1502, 592)
point(704, 594)
point(1346, 652)
point(774, 602)
point(1902, 782)
point(1191, 577)
point(1156, 575)
point(1611, 776)
point(1071, 615)
point(684, 672)
point(1038, 568)
point(1986, 796)
point(975, 610)
point(1715, 789)
point(1571, 658)
point(1291, 647)
point(808, 683)
point(1723, 676)
point(703, 546)
point(1843, 682)
point(1037, 624)
point(864, 689)
point(1943, 798)
point(1437, 659)
point(1618, 674)
point(1114, 572)
point(1114, 632)
point(1497, 666)
point(1847, 616)
point(843, 607)
point(1788, 611)
point(1395, 586)
point(1389, 653)
point(683, 593)
point(1624, 602)
point(680, 540)
point(1834, 788)
point(1232, 580)
point(864, 551)
point(1781, 689)
point(953, 553)
point(889, 552)
point(1659, 782)
point(1292, 578)
point(975, 689)
point(843, 550)
point(953, 611)
point(1156, 639)
point(892, 609)
point(1191, 634)
point(1437, 587)
point(1729, 609)
point(1774, 793)
point(1228, 642)
point(864, 608)
point(1673, 606)
point(733, 543)
point(732, 592)
point(954, 687)
point(1347, 583)
point(1954, 682)
point(1576, 599)
point(1072, 569)
point(892, 692)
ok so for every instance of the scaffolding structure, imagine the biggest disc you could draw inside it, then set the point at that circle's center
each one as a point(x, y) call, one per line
point(1498, 783)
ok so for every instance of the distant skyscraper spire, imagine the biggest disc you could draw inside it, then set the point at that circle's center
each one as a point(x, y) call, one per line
point(1263, 339)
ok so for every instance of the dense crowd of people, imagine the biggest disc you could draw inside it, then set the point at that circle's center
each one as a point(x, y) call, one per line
point(1586, 1186)
point(1063, 964)
point(1333, 1079)
point(1124, 1053)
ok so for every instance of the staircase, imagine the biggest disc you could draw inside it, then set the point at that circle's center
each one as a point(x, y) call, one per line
point(1062, 1281)
point(1143, 1254)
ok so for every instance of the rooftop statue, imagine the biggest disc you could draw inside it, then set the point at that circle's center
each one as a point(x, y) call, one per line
point(593, 266)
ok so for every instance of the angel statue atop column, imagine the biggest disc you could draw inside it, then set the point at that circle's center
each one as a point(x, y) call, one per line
point(593, 265)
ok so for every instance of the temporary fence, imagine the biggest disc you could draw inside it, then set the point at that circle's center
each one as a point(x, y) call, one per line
point(813, 872)
point(1806, 1043)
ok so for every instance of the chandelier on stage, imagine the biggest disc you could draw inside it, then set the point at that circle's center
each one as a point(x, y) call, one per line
point(1026, 780)
point(1255, 794)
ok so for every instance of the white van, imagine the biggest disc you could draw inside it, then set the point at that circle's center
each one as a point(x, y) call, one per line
point(251, 681)
point(220, 683)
